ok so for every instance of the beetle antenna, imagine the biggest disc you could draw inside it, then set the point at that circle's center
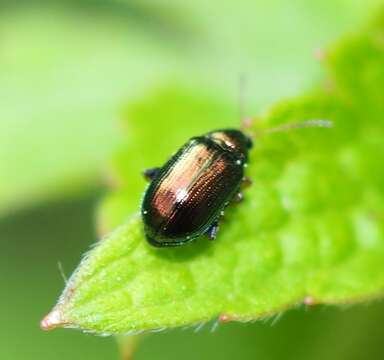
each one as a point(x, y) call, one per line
point(319, 123)
point(241, 96)
point(245, 121)
point(299, 125)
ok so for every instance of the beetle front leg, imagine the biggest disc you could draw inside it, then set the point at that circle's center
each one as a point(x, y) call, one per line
point(238, 198)
point(150, 174)
point(212, 231)
point(246, 182)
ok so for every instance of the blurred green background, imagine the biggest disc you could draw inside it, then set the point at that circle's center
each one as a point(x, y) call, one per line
point(67, 68)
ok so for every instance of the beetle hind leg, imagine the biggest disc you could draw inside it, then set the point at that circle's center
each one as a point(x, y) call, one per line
point(246, 182)
point(212, 231)
point(238, 198)
point(150, 174)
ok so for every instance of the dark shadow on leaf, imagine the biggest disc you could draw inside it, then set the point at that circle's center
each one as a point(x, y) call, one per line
point(199, 246)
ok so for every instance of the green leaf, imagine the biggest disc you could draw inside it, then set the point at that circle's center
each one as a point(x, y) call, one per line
point(310, 229)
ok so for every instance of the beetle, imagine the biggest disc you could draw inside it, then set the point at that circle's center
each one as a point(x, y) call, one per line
point(187, 196)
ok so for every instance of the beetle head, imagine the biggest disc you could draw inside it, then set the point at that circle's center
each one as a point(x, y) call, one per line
point(233, 140)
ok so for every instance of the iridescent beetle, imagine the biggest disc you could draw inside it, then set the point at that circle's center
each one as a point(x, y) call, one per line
point(187, 195)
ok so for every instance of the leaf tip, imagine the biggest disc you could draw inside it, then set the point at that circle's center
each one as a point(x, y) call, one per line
point(52, 320)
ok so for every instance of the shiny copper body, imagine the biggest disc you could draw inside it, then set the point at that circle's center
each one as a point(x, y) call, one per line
point(190, 191)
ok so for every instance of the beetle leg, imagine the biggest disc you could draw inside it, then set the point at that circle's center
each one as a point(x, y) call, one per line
point(150, 174)
point(246, 182)
point(212, 231)
point(238, 198)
